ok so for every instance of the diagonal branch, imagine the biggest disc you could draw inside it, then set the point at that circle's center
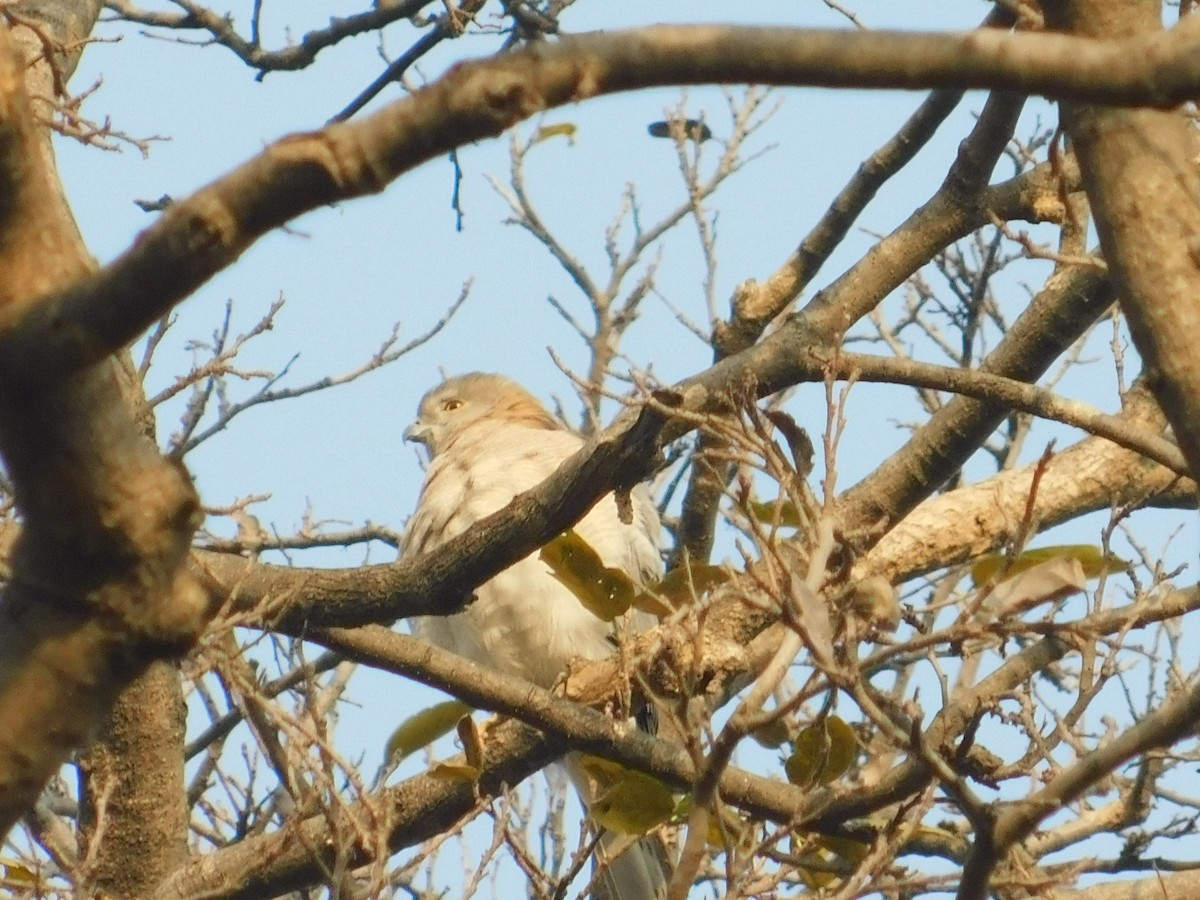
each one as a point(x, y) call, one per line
point(927, 231)
point(441, 582)
point(297, 54)
point(1057, 316)
point(202, 235)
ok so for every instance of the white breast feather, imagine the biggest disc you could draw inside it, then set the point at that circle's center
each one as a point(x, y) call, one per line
point(523, 622)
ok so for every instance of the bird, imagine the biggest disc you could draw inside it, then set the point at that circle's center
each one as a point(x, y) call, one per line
point(488, 440)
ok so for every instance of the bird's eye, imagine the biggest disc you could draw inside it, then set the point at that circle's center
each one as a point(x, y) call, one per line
point(451, 405)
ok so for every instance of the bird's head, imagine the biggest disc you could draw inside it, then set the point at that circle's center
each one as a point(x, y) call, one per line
point(466, 400)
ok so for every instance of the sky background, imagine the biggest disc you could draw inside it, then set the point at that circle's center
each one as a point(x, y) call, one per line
point(348, 273)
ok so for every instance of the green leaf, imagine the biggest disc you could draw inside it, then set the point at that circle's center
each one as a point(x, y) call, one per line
point(634, 804)
point(843, 749)
point(808, 756)
point(1092, 558)
point(771, 734)
point(424, 728)
point(605, 592)
point(780, 513)
point(821, 753)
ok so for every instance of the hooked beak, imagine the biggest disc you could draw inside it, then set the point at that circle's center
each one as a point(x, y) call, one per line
point(417, 432)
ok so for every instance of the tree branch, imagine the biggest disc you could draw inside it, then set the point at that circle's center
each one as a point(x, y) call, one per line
point(1144, 189)
point(199, 236)
point(1069, 302)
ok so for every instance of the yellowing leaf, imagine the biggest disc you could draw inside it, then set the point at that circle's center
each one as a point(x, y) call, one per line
point(782, 513)
point(843, 749)
point(648, 603)
point(730, 830)
point(15, 873)
point(627, 801)
point(634, 804)
point(727, 830)
point(954, 842)
point(680, 587)
point(819, 875)
point(847, 848)
point(455, 772)
point(808, 755)
point(603, 771)
point(1092, 558)
point(821, 753)
point(564, 129)
point(605, 592)
point(424, 728)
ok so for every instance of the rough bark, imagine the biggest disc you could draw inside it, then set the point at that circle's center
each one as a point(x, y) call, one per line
point(1139, 172)
point(133, 806)
point(96, 593)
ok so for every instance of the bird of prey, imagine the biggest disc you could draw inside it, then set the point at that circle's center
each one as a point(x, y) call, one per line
point(488, 440)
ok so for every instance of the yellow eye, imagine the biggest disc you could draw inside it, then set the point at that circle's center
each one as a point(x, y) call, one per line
point(451, 405)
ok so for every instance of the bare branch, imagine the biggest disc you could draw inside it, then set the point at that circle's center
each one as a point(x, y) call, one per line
point(298, 55)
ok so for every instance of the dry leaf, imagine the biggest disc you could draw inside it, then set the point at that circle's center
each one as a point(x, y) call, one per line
point(1051, 580)
point(472, 741)
point(813, 615)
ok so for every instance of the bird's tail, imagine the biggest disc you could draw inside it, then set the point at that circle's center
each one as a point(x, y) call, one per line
point(639, 871)
point(627, 868)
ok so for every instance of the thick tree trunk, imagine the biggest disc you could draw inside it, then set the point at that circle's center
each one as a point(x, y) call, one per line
point(1144, 187)
point(133, 800)
point(96, 594)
